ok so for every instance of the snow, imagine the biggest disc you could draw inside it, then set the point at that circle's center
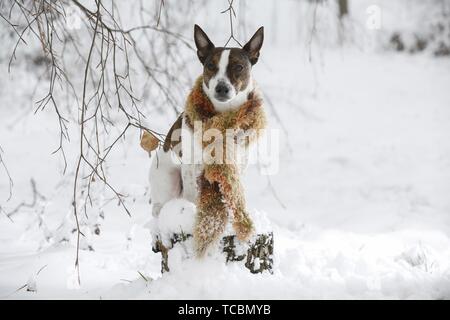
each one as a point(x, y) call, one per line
point(31, 284)
point(360, 210)
point(176, 216)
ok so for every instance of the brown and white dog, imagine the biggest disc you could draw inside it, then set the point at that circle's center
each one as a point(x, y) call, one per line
point(227, 82)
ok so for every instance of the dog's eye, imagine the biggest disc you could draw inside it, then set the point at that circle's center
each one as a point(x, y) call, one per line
point(238, 68)
point(210, 66)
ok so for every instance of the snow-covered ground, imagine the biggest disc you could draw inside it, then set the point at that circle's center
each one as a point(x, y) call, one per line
point(360, 205)
point(363, 183)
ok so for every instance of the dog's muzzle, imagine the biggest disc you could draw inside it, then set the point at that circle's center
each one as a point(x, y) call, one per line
point(222, 91)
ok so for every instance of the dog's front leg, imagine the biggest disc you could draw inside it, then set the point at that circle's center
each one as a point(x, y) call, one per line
point(165, 180)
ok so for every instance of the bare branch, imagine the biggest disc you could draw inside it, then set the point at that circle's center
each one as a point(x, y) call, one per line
point(36, 196)
point(5, 168)
point(231, 14)
point(108, 105)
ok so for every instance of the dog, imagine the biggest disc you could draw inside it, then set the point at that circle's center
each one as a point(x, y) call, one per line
point(228, 83)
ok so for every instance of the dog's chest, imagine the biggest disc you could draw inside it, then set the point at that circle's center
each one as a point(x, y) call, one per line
point(192, 162)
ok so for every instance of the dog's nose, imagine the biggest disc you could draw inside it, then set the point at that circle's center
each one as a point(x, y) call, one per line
point(222, 89)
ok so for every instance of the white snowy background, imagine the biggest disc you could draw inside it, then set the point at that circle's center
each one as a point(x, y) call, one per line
point(360, 207)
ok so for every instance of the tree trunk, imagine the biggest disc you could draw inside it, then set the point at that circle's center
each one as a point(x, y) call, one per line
point(343, 8)
point(257, 253)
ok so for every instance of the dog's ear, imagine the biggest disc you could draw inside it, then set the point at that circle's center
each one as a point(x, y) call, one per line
point(203, 44)
point(254, 45)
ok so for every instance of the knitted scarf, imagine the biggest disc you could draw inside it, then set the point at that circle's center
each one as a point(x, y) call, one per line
point(220, 191)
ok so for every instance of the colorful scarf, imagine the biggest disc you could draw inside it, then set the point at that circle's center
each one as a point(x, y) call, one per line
point(220, 189)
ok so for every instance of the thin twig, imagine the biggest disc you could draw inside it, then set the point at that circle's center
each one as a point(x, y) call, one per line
point(80, 157)
point(231, 14)
point(161, 5)
point(32, 204)
point(313, 31)
point(5, 168)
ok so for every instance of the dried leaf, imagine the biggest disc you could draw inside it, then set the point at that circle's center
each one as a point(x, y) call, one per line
point(148, 141)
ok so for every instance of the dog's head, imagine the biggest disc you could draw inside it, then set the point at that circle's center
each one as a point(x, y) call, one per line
point(227, 76)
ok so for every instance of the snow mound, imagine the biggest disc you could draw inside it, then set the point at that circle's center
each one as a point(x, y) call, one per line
point(176, 216)
point(261, 225)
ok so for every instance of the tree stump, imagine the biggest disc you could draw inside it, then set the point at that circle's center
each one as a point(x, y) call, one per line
point(160, 247)
point(257, 253)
